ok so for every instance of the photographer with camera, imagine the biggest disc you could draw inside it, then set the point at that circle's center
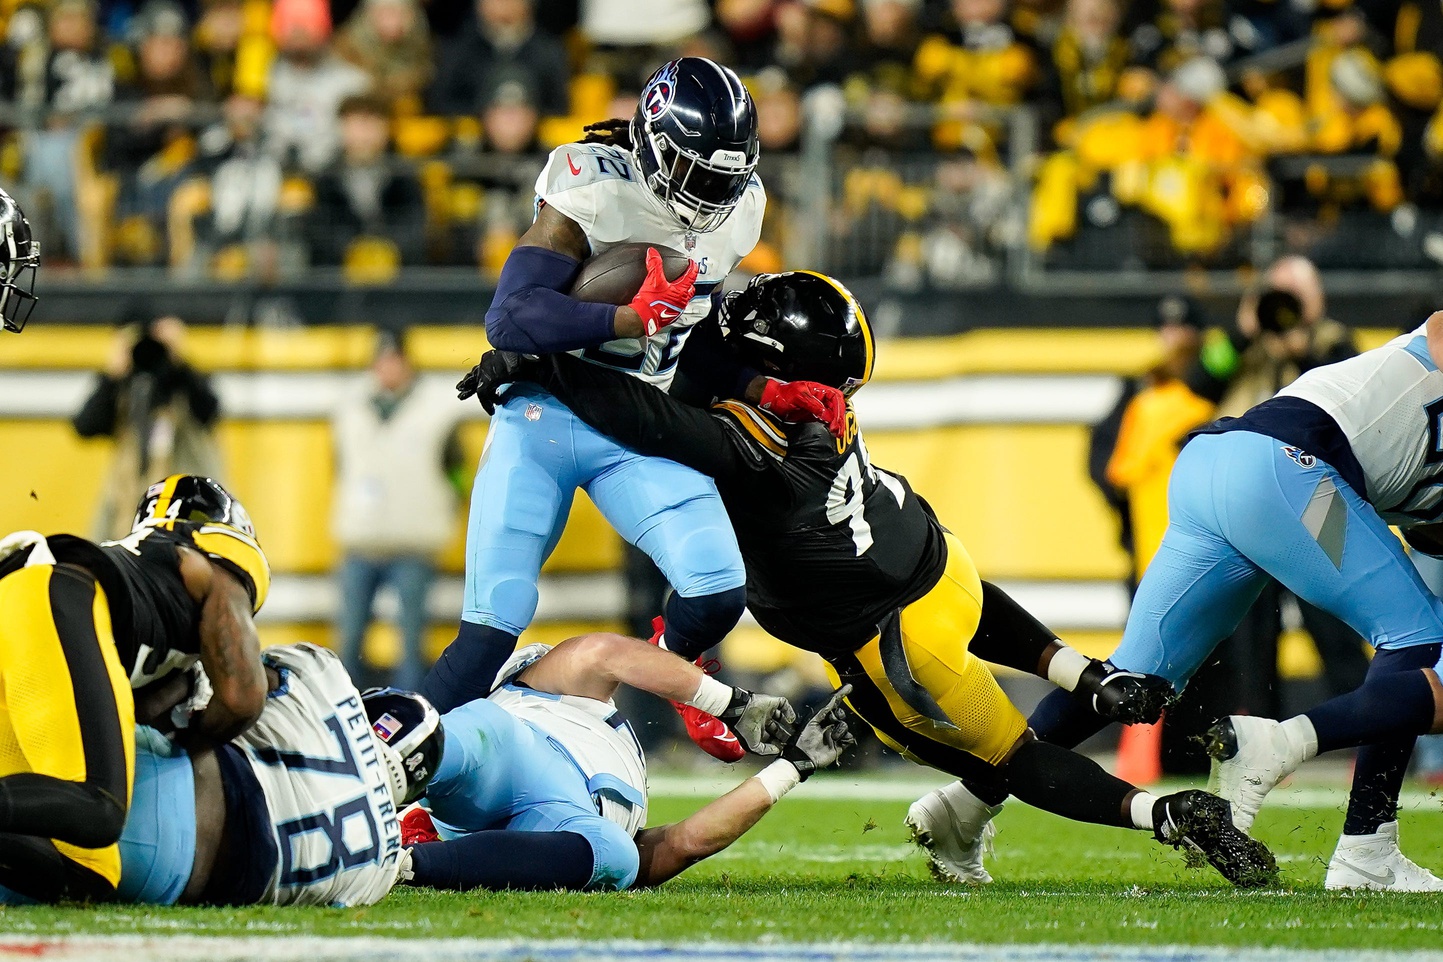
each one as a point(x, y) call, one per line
point(159, 411)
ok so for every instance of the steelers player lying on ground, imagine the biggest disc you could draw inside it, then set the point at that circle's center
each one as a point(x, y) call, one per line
point(543, 784)
point(80, 625)
point(301, 809)
point(845, 560)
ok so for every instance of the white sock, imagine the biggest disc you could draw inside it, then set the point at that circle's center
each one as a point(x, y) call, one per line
point(1066, 668)
point(1302, 738)
point(1142, 804)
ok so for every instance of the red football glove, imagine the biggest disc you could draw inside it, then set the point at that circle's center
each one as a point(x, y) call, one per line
point(660, 301)
point(806, 401)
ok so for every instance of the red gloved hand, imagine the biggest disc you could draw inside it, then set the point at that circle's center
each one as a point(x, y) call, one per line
point(806, 401)
point(660, 301)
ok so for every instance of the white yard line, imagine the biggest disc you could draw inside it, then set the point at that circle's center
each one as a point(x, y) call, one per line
point(370, 949)
point(881, 788)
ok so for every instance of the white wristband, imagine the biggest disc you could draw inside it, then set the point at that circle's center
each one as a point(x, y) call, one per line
point(778, 778)
point(711, 696)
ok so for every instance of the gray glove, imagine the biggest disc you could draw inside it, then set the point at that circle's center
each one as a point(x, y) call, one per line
point(823, 739)
point(762, 723)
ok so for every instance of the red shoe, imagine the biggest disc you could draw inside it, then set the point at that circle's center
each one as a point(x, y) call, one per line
point(417, 827)
point(709, 732)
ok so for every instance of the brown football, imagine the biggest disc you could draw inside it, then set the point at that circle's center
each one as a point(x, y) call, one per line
point(615, 276)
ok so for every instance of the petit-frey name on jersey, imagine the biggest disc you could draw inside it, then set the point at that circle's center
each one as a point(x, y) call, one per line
point(352, 714)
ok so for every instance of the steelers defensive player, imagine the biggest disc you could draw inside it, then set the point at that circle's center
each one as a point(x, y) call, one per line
point(81, 624)
point(843, 559)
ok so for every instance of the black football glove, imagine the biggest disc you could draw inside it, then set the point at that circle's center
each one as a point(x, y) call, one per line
point(496, 370)
point(824, 737)
point(762, 723)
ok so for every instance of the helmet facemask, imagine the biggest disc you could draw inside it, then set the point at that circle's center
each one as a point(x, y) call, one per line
point(700, 192)
point(19, 262)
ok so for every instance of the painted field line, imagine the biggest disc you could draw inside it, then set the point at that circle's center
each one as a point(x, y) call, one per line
point(367, 949)
point(884, 788)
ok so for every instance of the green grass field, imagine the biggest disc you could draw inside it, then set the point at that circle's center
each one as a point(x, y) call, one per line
point(823, 869)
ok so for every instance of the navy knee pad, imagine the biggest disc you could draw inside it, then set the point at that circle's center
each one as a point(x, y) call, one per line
point(696, 624)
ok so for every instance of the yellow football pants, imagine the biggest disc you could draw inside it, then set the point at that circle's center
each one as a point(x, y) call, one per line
point(922, 691)
point(66, 710)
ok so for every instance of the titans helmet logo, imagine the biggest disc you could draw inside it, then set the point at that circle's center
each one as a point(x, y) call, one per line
point(659, 93)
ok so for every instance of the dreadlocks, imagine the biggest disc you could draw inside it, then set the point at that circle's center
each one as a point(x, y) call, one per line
point(614, 133)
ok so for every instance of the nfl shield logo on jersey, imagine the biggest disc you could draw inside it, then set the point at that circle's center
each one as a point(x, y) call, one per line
point(533, 412)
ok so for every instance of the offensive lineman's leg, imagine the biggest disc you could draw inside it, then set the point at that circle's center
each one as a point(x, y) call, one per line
point(1191, 597)
point(675, 515)
point(67, 745)
point(519, 504)
point(1308, 528)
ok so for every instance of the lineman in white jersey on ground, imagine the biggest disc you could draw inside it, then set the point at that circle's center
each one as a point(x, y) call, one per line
point(1302, 488)
point(543, 784)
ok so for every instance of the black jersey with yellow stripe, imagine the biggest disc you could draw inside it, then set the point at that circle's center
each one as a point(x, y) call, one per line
point(832, 543)
point(848, 544)
point(155, 621)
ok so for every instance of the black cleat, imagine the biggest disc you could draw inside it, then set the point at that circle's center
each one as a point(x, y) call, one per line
point(1204, 824)
point(1129, 697)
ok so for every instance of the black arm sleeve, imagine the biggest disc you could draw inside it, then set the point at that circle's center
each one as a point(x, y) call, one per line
point(650, 422)
point(96, 417)
point(504, 859)
point(706, 369)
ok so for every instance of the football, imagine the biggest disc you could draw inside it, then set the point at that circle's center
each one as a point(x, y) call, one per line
point(614, 277)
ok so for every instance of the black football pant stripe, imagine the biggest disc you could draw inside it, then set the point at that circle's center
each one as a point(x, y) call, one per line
point(34, 867)
point(869, 702)
point(90, 814)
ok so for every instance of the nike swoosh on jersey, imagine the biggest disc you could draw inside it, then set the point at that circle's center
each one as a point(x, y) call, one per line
point(1387, 878)
point(575, 170)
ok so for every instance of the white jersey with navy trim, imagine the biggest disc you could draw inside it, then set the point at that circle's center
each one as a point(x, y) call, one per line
point(592, 733)
point(312, 751)
point(1389, 404)
point(599, 188)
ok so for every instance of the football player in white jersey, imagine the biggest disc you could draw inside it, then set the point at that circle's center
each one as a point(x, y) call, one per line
point(302, 809)
point(543, 784)
point(681, 174)
point(1303, 488)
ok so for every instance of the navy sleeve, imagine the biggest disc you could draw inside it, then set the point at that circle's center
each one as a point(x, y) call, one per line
point(530, 315)
point(505, 859)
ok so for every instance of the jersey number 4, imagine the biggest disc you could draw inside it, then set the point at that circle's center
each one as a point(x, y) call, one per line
point(847, 500)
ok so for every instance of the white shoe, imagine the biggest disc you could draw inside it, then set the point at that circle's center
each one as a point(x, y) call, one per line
point(1375, 862)
point(1252, 755)
point(955, 827)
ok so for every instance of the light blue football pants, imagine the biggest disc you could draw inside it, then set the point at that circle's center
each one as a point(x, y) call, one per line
point(537, 454)
point(1243, 506)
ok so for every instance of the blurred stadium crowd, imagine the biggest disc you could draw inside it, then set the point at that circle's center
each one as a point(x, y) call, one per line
point(229, 138)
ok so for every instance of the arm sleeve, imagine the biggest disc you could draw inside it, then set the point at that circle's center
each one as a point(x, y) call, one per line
point(96, 417)
point(505, 859)
point(650, 422)
point(529, 314)
point(707, 369)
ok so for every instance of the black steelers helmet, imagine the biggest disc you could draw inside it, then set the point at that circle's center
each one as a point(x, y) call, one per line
point(694, 139)
point(801, 326)
point(19, 262)
point(190, 497)
point(412, 740)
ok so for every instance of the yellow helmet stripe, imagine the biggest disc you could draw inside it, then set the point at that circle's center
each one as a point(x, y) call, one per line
point(167, 494)
point(862, 322)
point(228, 544)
